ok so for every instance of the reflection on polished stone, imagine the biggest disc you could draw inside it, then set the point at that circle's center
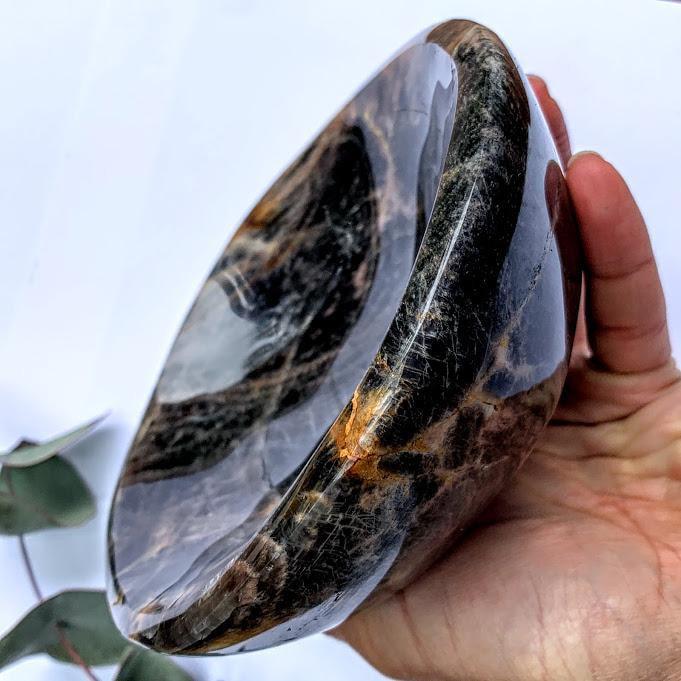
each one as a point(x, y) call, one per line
point(372, 356)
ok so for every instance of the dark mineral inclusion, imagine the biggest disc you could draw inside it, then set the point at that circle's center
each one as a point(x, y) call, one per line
point(372, 356)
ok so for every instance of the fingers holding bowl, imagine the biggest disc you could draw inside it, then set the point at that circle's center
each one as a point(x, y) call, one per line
point(554, 117)
point(625, 308)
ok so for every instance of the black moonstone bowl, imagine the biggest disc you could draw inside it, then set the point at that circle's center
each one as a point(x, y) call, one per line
point(373, 355)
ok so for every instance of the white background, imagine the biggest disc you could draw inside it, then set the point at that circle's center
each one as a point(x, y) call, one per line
point(135, 135)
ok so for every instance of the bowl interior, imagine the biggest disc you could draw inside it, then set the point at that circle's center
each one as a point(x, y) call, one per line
point(278, 338)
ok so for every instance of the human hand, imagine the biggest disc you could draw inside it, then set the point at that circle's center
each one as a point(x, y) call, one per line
point(575, 571)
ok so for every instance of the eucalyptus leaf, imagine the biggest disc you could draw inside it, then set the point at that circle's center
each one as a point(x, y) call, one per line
point(30, 453)
point(145, 665)
point(81, 616)
point(49, 494)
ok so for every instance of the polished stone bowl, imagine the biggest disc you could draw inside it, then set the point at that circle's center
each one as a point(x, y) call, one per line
point(371, 358)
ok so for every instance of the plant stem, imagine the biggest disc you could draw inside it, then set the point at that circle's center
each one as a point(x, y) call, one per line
point(29, 569)
point(68, 646)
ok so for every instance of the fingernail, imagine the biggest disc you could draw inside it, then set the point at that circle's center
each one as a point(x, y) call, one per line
point(540, 79)
point(586, 152)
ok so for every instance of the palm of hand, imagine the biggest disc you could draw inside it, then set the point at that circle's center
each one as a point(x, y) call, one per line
point(575, 572)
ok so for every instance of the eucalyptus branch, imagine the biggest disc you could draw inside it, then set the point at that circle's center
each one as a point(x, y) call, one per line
point(28, 565)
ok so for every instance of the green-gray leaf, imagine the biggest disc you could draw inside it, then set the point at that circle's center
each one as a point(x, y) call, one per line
point(144, 665)
point(81, 616)
point(32, 454)
point(49, 494)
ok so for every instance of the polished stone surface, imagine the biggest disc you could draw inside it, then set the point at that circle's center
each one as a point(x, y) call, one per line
point(372, 356)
